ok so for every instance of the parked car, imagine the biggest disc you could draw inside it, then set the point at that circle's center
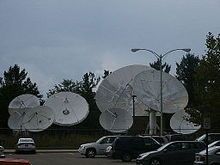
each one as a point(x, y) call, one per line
point(211, 137)
point(2, 155)
point(215, 143)
point(172, 153)
point(96, 148)
point(26, 145)
point(127, 148)
point(213, 156)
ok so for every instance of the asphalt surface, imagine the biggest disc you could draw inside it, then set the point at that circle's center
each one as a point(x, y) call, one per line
point(65, 158)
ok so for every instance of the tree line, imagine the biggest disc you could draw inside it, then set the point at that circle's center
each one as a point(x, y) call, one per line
point(199, 74)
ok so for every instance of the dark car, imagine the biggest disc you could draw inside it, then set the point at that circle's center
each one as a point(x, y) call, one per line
point(173, 153)
point(127, 148)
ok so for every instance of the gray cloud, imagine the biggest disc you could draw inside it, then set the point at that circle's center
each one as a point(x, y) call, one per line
point(55, 39)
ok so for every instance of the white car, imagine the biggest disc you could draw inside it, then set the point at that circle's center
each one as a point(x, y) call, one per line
point(26, 145)
point(2, 152)
point(213, 156)
point(96, 148)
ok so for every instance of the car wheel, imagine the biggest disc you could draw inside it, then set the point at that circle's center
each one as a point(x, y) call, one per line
point(155, 162)
point(126, 157)
point(90, 153)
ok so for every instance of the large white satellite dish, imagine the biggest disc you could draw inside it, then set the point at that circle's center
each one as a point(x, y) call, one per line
point(115, 91)
point(179, 123)
point(147, 88)
point(15, 120)
point(116, 120)
point(69, 108)
point(38, 119)
point(23, 101)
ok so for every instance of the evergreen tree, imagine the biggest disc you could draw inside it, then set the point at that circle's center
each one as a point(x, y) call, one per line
point(207, 80)
point(14, 83)
point(165, 67)
point(185, 72)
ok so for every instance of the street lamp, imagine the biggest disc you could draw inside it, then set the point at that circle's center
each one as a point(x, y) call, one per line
point(160, 58)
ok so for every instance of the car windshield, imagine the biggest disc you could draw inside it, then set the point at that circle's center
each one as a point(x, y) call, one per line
point(201, 138)
point(210, 150)
point(215, 143)
point(164, 146)
point(99, 140)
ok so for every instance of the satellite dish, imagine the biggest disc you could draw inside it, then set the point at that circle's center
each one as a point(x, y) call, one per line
point(116, 90)
point(23, 101)
point(147, 88)
point(15, 120)
point(116, 120)
point(179, 123)
point(69, 108)
point(38, 119)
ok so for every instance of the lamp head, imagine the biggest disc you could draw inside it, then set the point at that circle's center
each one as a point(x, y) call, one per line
point(135, 50)
point(186, 50)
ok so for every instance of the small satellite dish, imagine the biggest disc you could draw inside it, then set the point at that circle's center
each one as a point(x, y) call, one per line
point(69, 108)
point(23, 101)
point(147, 88)
point(115, 91)
point(15, 120)
point(179, 123)
point(116, 120)
point(38, 119)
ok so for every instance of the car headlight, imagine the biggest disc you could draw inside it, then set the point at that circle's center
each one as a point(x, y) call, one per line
point(142, 156)
point(82, 147)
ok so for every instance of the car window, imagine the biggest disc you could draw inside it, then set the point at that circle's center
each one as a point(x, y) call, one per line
point(186, 146)
point(105, 140)
point(174, 147)
point(111, 139)
point(138, 143)
point(197, 145)
point(149, 141)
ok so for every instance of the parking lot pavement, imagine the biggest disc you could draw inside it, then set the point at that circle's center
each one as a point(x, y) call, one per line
point(10, 151)
point(66, 159)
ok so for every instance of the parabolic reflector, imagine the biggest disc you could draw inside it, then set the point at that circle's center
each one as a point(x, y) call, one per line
point(15, 120)
point(179, 123)
point(23, 101)
point(38, 119)
point(115, 91)
point(147, 88)
point(116, 120)
point(69, 108)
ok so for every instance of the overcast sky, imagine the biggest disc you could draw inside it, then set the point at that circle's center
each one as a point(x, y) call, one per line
point(64, 39)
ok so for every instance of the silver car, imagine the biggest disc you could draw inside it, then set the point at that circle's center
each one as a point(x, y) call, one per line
point(96, 148)
point(213, 156)
point(25, 145)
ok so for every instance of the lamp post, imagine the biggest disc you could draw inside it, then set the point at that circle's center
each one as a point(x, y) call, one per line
point(160, 58)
